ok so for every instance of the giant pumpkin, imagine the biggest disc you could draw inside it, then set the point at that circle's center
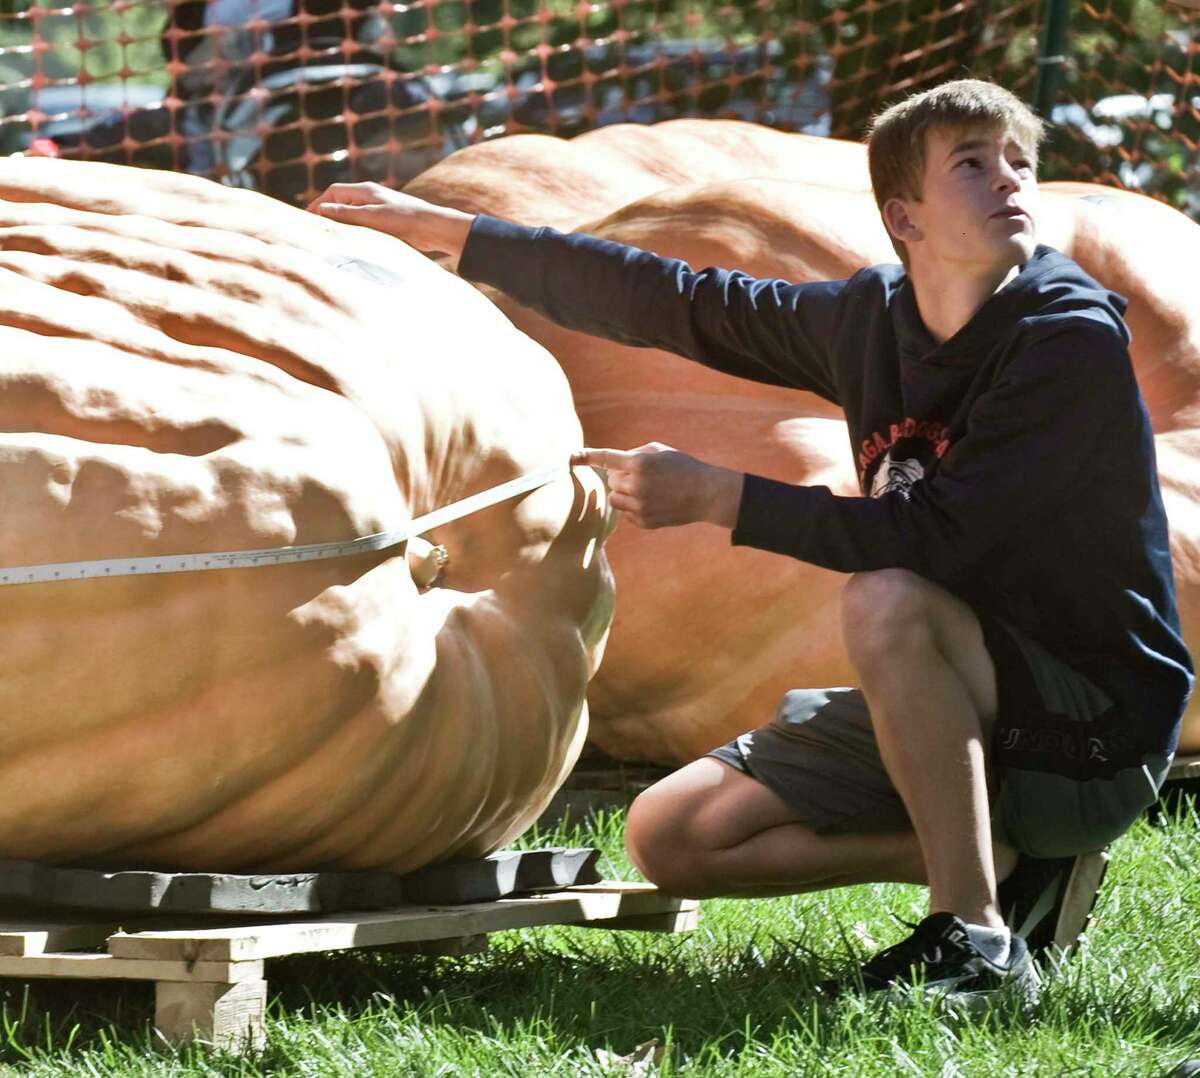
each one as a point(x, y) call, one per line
point(542, 180)
point(707, 637)
point(188, 368)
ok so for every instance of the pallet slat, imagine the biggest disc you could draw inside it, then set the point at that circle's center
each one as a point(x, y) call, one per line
point(343, 931)
point(25, 934)
point(295, 894)
point(451, 947)
point(683, 920)
point(30, 936)
point(1184, 767)
point(101, 967)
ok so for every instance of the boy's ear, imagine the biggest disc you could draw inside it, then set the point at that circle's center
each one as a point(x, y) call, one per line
point(899, 221)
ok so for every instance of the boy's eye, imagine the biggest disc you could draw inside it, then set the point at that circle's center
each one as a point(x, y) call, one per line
point(972, 161)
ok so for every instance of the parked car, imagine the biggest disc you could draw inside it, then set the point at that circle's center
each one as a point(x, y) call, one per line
point(645, 82)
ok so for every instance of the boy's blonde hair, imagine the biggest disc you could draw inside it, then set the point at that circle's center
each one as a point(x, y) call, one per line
point(896, 140)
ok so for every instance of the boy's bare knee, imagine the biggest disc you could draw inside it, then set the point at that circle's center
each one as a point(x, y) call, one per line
point(882, 609)
point(657, 843)
point(643, 833)
point(642, 825)
point(893, 618)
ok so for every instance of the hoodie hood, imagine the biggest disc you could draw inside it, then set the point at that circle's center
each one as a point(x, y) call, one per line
point(1049, 288)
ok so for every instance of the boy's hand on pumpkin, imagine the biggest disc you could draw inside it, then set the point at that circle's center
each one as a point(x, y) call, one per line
point(420, 224)
point(659, 487)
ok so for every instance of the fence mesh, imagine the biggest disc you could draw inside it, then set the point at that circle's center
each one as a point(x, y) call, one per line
point(290, 95)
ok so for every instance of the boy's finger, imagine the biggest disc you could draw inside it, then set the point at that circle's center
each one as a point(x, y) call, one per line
point(334, 193)
point(601, 458)
point(334, 209)
point(339, 211)
point(351, 193)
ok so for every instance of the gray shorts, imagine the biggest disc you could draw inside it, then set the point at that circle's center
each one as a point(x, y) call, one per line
point(1066, 779)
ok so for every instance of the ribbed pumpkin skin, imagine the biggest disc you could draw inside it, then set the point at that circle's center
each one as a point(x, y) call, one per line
point(184, 369)
point(732, 628)
point(542, 180)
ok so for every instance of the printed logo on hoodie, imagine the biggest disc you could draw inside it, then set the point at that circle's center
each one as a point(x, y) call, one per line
point(919, 433)
point(896, 475)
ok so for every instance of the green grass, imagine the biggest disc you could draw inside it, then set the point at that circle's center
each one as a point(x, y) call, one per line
point(733, 998)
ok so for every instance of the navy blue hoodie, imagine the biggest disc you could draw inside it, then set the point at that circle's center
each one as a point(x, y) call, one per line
point(1013, 464)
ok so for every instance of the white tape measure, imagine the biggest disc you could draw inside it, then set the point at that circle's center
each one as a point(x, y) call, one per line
point(250, 559)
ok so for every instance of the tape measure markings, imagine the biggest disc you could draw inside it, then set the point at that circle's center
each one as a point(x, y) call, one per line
point(250, 559)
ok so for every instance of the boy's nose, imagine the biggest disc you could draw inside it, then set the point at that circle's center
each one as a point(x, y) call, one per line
point(1006, 177)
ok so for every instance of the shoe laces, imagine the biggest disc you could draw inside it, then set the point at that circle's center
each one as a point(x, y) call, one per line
point(931, 945)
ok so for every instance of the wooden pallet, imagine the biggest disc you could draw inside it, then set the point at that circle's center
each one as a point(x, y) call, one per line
point(142, 892)
point(208, 977)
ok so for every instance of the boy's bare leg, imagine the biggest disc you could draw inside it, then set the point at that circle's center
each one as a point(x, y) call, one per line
point(709, 830)
point(931, 689)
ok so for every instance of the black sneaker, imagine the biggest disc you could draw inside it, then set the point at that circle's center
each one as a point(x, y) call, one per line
point(1049, 901)
point(942, 957)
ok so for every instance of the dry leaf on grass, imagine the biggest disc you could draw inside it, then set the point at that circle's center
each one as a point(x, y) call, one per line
point(640, 1063)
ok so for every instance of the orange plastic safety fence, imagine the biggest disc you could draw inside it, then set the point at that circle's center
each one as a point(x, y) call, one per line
point(290, 95)
point(1129, 109)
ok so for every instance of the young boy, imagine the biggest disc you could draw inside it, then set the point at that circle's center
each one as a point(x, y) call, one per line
point(1011, 613)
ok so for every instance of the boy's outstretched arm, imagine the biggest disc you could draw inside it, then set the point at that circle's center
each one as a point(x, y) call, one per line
point(765, 330)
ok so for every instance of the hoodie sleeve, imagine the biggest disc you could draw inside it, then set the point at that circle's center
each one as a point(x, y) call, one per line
point(764, 330)
point(1030, 441)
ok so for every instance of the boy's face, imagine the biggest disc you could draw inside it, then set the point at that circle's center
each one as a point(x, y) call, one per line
point(978, 204)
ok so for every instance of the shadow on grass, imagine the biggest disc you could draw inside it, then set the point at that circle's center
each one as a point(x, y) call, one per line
point(625, 994)
point(45, 1017)
point(631, 991)
point(628, 993)
point(622, 995)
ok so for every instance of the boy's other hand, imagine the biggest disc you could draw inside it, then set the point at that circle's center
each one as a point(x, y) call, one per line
point(420, 224)
point(659, 487)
